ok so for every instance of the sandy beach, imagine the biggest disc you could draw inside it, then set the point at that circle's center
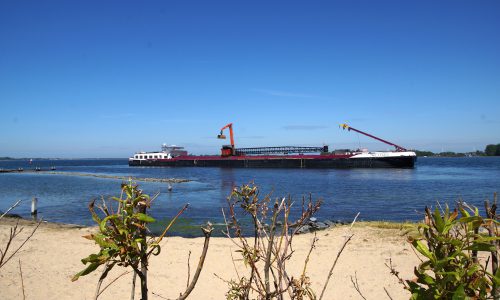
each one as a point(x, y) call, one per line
point(52, 257)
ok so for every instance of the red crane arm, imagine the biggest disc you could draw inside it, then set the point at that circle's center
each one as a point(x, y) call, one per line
point(398, 148)
point(230, 126)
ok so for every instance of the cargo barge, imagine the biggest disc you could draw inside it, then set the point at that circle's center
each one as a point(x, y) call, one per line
point(278, 157)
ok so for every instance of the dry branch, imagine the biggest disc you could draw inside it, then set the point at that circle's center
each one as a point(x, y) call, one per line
point(207, 232)
point(11, 208)
point(22, 281)
point(347, 239)
point(271, 248)
point(355, 283)
point(13, 233)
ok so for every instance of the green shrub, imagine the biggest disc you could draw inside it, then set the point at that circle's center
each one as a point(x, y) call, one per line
point(123, 241)
point(450, 245)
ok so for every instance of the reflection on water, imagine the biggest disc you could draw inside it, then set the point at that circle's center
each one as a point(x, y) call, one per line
point(388, 194)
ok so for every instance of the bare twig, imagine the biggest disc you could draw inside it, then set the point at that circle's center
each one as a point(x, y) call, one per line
point(396, 273)
point(388, 295)
point(313, 245)
point(104, 274)
point(267, 265)
point(189, 269)
point(154, 197)
point(141, 275)
point(234, 265)
point(144, 256)
point(347, 239)
point(168, 227)
point(158, 295)
point(22, 281)
point(356, 285)
point(11, 208)
point(132, 294)
point(112, 281)
point(207, 232)
point(98, 287)
point(13, 233)
point(271, 248)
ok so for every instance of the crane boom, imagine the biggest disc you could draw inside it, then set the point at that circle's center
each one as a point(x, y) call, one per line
point(227, 150)
point(222, 136)
point(398, 148)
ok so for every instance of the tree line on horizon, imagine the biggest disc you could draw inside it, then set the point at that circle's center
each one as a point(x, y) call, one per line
point(490, 150)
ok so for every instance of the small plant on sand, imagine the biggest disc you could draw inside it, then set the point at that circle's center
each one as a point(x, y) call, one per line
point(450, 242)
point(7, 251)
point(269, 247)
point(123, 239)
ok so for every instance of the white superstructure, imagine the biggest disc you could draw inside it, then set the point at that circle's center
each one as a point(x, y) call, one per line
point(167, 152)
point(382, 154)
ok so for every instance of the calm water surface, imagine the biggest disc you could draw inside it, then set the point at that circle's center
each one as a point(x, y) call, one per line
point(378, 194)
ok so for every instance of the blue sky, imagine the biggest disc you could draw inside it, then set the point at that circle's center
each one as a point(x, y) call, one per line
point(108, 78)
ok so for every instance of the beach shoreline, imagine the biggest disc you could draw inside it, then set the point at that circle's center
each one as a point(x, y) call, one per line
point(55, 250)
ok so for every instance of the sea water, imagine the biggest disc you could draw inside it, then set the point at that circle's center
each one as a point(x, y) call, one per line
point(377, 194)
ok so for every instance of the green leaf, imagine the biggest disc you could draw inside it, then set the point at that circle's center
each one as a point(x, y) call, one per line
point(144, 218)
point(438, 220)
point(106, 255)
point(91, 258)
point(496, 277)
point(425, 279)
point(91, 268)
point(476, 221)
point(463, 211)
point(156, 249)
point(473, 269)
point(468, 219)
point(102, 225)
point(117, 199)
point(423, 249)
point(426, 265)
point(481, 247)
point(488, 239)
point(100, 240)
point(459, 294)
point(448, 226)
point(442, 263)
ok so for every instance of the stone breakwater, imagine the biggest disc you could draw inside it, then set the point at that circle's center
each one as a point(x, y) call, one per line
point(314, 225)
point(168, 180)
